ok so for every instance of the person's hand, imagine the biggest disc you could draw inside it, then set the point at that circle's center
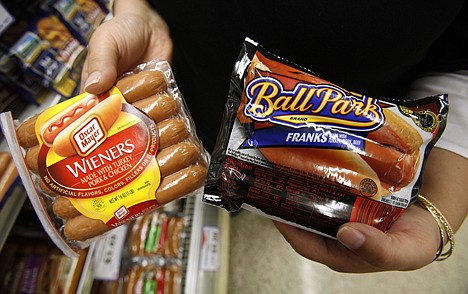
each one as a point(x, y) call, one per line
point(411, 242)
point(136, 34)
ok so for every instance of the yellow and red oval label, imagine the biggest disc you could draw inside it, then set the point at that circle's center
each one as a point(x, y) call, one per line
point(111, 171)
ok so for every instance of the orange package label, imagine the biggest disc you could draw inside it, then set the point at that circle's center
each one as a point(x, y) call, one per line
point(99, 152)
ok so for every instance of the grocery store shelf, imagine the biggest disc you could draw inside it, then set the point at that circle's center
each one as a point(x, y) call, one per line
point(10, 211)
point(207, 266)
point(47, 101)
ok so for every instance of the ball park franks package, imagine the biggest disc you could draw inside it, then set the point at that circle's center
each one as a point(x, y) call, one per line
point(93, 163)
point(302, 150)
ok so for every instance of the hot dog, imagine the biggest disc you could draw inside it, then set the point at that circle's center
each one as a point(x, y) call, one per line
point(171, 131)
point(397, 133)
point(66, 117)
point(146, 89)
point(172, 278)
point(181, 183)
point(393, 151)
point(26, 133)
point(82, 228)
point(107, 110)
point(31, 158)
point(57, 130)
point(345, 168)
point(141, 85)
point(380, 163)
point(133, 280)
point(45, 189)
point(300, 149)
point(172, 187)
point(175, 228)
point(63, 208)
point(136, 238)
point(159, 106)
point(177, 157)
point(391, 165)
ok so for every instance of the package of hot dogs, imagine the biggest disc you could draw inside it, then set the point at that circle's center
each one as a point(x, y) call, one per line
point(299, 149)
point(92, 163)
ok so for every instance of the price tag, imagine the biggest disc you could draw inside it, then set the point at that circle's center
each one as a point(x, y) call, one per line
point(210, 249)
point(108, 254)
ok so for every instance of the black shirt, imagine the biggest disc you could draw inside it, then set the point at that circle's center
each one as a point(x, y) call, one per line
point(367, 46)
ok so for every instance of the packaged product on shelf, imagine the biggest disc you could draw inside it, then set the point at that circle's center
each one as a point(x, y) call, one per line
point(94, 13)
point(26, 87)
point(160, 233)
point(14, 77)
point(8, 176)
point(37, 267)
point(302, 150)
point(106, 5)
point(152, 279)
point(73, 16)
point(92, 163)
point(152, 256)
point(40, 53)
point(38, 59)
point(17, 77)
point(68, 49)
point(47, 50)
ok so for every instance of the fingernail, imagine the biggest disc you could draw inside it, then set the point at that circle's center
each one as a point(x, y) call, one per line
point(93, 78)
point(351, 238)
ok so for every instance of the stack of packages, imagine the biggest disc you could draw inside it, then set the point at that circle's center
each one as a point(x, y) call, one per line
point(43, 48)
point(36, 266)
point(153, 254)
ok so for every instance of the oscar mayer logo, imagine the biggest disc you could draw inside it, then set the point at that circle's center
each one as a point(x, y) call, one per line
point(307, 104)
point(89, 136)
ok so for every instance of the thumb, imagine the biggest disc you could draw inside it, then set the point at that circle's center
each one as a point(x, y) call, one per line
point(100, 67)
point(386, 251)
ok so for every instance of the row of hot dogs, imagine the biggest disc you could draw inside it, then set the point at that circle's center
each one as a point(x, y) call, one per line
point(180, 156)
point(165, 279)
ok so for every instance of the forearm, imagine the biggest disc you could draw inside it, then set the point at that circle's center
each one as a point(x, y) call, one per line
point(445, 185)
point(446, 172)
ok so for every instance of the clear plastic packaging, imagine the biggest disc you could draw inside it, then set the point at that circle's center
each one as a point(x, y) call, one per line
point(92, 163)
point(304, 151)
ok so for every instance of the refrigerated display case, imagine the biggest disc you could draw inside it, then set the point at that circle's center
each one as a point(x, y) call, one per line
point(204, 252)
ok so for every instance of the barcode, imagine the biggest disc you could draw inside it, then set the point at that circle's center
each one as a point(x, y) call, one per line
point(374, 213)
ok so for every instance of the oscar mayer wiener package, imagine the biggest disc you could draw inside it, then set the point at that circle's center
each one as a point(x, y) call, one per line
point(92, 163)
point(302, 150)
